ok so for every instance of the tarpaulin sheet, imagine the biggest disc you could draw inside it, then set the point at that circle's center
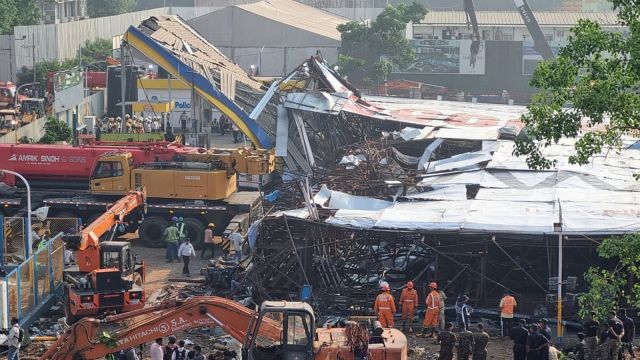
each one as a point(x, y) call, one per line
point(364, 219)
point(510, 216)
point(430, 215)
point(441, 192)
point(339, 200)
point(460, 161)
point(589, 217)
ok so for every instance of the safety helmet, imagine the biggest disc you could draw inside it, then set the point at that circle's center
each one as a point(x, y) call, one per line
point(433, 285)
point(211, 225)
point(385, 286)
point(410, 285)
point(180, 218)
point(174, 219)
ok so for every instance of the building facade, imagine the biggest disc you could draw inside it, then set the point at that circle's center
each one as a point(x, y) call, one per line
point(61, 11)
point(506, 58)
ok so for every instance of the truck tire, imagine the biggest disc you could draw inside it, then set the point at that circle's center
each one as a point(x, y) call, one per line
point(195, 231)
point(151, 231)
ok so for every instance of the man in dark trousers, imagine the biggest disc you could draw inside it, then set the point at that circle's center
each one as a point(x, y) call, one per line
point(591, 328)
point(519, 334)
point(537, 344)
point(629, 334)
point(546, 332)
point(447, 342)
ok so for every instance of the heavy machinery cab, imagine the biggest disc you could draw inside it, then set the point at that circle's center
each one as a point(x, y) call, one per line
point(118, 255)
point(111, 174)
point(297, 321)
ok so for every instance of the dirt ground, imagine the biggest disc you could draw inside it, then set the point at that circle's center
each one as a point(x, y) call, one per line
point(159, 271)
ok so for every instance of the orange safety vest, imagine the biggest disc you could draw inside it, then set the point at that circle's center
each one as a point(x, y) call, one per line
point(409, 297)
point(384, 301)
point(508, 303)
point(433, 300)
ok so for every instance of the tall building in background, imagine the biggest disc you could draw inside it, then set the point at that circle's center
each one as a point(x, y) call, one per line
point(61, 11)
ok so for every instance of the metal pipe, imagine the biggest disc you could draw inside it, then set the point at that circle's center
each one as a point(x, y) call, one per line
point(559, 330)
point(123, 90)
point(33, 53)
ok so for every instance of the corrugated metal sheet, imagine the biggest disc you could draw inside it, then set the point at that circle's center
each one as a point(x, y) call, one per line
point(173, 33)
point(298, 15)
point(513, 18)
point(7, 56)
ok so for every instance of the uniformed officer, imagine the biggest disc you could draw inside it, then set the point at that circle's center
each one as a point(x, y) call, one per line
point(519, 334)
point(480, 341)
point(447, 342)
point(465, 344)
point(591, 328)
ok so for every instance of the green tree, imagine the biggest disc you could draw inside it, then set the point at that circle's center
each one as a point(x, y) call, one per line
point(100, 8)
point(596, 76)
point(610, 286)
point(55, 130)
point(28, 14)
point(18, 12)
point(375, 47)
point(96, 51)
point(8, 15)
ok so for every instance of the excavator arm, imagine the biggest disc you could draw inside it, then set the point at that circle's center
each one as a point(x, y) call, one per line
point(91, 338)
point(87, 243)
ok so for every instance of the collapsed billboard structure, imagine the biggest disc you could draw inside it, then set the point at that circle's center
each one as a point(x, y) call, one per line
point(398, 189)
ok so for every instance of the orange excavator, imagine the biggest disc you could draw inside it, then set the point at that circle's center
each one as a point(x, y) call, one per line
point(107, 276)
point(279, 330)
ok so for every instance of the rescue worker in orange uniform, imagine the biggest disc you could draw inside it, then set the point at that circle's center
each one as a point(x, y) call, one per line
point(385, 306)
point(408, 301)
point(507, 306)
point(433, 311)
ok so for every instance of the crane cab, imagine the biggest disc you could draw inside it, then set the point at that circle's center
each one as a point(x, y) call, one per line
point(112, 173)
point(294, 342)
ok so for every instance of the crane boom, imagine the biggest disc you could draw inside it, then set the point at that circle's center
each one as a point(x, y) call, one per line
point(86, 340)
point(539, 41)
point(87, 243)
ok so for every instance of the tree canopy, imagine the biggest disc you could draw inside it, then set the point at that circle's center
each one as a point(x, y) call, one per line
point(596, 76)
point(100, 8)
point(608, 286)
point(18, 12)
point(55, 130)
point(374, 47)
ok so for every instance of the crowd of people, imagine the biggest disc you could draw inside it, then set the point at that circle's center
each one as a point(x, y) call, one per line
point(180, 248)
point(173, 350)
point(131, 124)
point(607, 341)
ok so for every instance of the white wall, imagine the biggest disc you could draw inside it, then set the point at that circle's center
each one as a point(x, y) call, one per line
point(277, 61)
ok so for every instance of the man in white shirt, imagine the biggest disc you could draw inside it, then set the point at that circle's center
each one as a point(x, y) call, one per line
point(156, 350)
point(186, 251)
point(236, 244)
point(13, 340)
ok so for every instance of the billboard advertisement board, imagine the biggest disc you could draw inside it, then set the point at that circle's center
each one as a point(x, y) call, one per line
point(446, 57)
